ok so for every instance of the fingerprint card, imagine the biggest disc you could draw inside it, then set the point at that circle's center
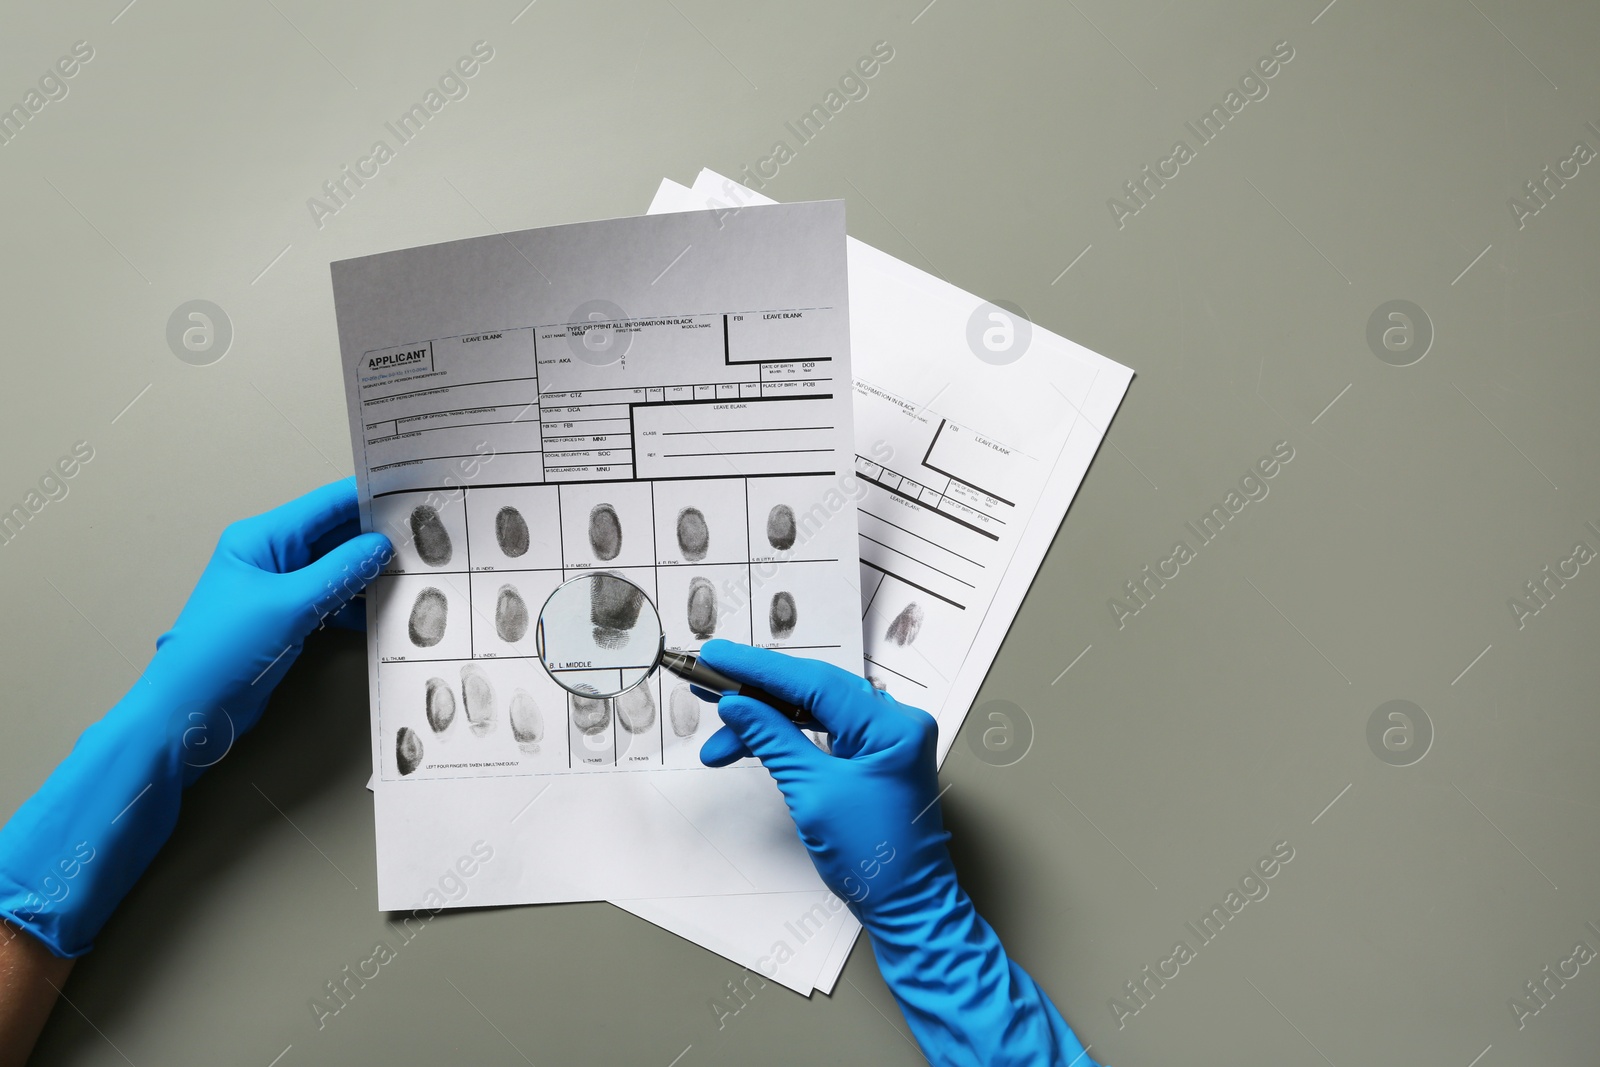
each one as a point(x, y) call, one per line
point(660, 409)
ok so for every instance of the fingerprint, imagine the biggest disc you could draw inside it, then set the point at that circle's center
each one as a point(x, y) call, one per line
point(407, 750)
point(683, 710)
point(782, 616)
point(605, 531)
point(636, 709)
point(441, 702)
point(428, 616)
point(906, 625)
point(591, 715)
point(510, 615)
point(694, 536)
point(614, 609)
point(527, 724)
point(477, 693)
point(702, 608)
point(430, 536)
point(511, 531)
point(780, 527)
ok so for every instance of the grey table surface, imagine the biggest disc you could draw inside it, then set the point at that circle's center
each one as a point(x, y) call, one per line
point(1440, 859)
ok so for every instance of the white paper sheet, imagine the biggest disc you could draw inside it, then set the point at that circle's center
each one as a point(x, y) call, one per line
point(966, 469)
point(530, 407)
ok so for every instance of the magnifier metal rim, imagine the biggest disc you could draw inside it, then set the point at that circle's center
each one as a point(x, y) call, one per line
point(538, 637)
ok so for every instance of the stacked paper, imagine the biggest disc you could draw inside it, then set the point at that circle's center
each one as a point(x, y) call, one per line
point(974, 429)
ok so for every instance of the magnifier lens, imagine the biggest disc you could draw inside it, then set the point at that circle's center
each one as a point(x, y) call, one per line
point(599, 635)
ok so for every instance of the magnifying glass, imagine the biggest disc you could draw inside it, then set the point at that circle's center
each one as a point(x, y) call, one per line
point(599, 636)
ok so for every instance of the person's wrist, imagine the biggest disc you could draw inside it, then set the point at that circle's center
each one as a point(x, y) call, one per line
point(140, 732)
point(914, 881)
point(923, 935)
point(174, 721)
point(74, 848)
point(180, 672)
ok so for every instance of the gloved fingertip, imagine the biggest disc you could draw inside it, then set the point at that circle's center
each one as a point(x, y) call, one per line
point(380, 548)
point(353, 564)
point(719, 649)
point(723, 748)
point(342, 491)
point(731, 655)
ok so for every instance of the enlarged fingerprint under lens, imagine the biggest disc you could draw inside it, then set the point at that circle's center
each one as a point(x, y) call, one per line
point(906, 625)
point(477, 693)
point(591, 715)
point(782, 616)
point(636, 709)
point(510, 615)
point(407, 750)
point(702, 611)
point(694, 536)
point(441, 702)
point(614, 606)
point(430, 536)
point(527, 723)
point(605, 531)
point(780, 527)
point(429, 613)
point(683, 711)
point(511, 531)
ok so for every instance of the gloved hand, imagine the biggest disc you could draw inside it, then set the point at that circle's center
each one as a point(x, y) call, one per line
point(868, 813)
point(74, 849)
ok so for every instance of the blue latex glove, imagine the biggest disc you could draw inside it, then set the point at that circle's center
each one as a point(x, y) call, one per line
point(74, 849)
point(869, 815)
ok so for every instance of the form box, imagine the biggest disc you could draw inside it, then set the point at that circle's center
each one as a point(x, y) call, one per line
point(495, 415)
point(807, 335)
point(610, 354)
point(408, 404)
point(609, 431)
point(736, 436)
point(449, 442)
point(975, 461)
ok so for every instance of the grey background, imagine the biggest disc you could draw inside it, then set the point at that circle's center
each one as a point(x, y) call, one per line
point(1224, 717)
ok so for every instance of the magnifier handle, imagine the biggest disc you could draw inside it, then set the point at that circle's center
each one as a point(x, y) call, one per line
point(690, 667)
point(794, 713)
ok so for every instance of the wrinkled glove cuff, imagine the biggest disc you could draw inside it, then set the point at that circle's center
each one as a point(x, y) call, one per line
point(965, 1000)
point(75, 848)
